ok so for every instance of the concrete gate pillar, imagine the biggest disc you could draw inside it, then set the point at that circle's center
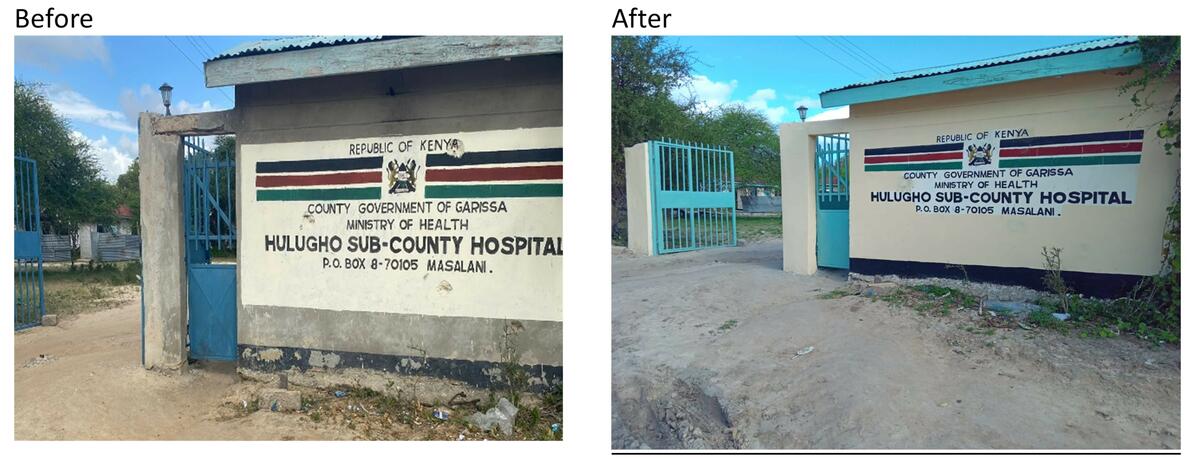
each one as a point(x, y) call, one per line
point(164, 281)
point(797, 145)
point(639, 214)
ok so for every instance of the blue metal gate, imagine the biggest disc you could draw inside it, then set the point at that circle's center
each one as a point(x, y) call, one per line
point(692, 196)
point(28, 287)
point(833, 201)
point(210, 230)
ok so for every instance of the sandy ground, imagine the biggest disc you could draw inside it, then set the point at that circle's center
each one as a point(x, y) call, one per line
point(83, 380)
point(705, 356)
point(90, 385)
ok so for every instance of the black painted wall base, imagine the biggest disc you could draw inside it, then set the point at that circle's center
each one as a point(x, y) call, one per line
point(1091, 284)
point(471, 372)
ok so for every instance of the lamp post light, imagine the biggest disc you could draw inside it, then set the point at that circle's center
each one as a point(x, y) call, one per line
point(165, 89)
point(803, 112)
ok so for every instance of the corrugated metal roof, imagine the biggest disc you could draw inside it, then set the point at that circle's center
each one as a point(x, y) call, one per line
point(278, 45)
point(1072, 48)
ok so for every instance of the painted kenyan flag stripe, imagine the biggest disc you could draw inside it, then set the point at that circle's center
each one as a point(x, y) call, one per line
point(1111, 136)
point(494, 174)
point(936, 148)
point(537, 155)
point(319, 165)
point(521, 190)
point(319, 194)
point(945, 165)
point(1083, 149)
point(912, 158)
point(337, 178)
point(1071, 161)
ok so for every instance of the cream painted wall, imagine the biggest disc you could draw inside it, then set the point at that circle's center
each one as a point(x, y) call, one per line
point(637, 199)
point(1099, 239)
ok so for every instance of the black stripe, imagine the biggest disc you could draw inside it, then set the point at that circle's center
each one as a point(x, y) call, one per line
point(1073, 138)
point(1099, 285)
point(496, 157)
point(319, 165)
point(937, 148)
point(473, 372)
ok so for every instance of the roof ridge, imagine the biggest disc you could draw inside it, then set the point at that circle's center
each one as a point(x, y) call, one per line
point(1068, 48)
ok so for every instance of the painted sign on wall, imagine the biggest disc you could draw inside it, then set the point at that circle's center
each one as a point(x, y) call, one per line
point(1009, 172)
point(466, 224)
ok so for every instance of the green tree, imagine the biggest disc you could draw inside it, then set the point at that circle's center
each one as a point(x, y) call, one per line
point(1160, 70)
point(644, 72)
point(69, 184)
point(751, 137)
point(128, 192)
point(225, 148)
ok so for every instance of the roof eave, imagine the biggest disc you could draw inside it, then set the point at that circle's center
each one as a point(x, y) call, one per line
point(372, 56)
point(1051, 66)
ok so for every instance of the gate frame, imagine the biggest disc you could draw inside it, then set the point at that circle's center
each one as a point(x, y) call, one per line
point(825, 224)
point(798, 145)
point(200, 238)
point(641, 190)
point(164, 263)
point(30, 184)
point(691, 199)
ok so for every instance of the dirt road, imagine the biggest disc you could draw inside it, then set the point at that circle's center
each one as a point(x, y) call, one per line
point(90, 385)
point(705, 355)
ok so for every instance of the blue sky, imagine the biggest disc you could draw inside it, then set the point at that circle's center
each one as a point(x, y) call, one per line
point(775, 74)
point(100, 84)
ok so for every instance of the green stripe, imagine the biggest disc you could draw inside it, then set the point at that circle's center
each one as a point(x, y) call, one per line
point(319, 194)
point(1072, 161)
point(913, 166)
point(532, 190)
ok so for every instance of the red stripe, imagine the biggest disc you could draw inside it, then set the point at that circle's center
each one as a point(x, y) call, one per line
point(340, 178)
point(491, 174)
point(912, 158)
point(1122, 147)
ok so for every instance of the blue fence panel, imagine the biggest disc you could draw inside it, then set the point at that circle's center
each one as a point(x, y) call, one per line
point(693, 196)
point(29, 303)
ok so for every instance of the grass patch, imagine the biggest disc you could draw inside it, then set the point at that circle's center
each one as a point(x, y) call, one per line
point(1097, 318)
point(930, 299)
point(759, 228)
point(87, 287)
point(728, 325)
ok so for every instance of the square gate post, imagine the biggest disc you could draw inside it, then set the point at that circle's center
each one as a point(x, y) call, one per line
point(164, 278)
point(798, 187)
point(639, 211)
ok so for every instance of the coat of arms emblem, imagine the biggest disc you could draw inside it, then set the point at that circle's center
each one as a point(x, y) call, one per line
point(402, 176)
point(979, 155)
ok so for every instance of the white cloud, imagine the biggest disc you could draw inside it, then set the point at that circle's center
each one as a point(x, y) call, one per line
point(147, 99)
point(707, 94)
point(114, 158)
point(761, 101)
point(184, 107)
point(49, 52)
point(75, 106)
point(816, 113)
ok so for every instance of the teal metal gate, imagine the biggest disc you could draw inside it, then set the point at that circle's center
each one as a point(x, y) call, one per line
point(833, 201)
point(210, 230)
point(29, 303)
point(692, 194)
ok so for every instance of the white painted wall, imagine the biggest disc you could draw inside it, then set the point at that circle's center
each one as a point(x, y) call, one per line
point(527, 287)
